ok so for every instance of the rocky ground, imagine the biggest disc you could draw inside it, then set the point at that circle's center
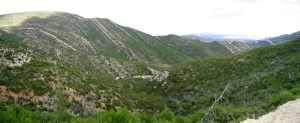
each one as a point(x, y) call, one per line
point(286, 113)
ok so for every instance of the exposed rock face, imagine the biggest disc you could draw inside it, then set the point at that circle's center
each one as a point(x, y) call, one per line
point(235, 47)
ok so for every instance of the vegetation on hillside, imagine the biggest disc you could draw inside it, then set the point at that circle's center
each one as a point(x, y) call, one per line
point(55, 87)
point(259, 80)
point(99, 46)
point(35, 85)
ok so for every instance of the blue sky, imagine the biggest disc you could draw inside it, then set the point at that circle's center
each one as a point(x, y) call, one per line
point(248, 18)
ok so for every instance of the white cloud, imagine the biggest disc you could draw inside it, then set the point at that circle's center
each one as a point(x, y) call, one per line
point(252, 18)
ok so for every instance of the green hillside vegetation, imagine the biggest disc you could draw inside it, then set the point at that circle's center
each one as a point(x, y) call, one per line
point(46, 79)
point(259, 81)
point(59, 67)
point(96, 45)
point(99, 46)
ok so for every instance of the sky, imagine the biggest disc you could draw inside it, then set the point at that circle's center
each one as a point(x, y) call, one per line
point(247, 18)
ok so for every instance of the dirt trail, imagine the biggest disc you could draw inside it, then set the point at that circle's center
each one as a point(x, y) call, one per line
point(286, 113)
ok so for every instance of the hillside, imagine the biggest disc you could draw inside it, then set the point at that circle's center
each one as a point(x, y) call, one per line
point(62, 67)
point(259, 80)
point(100, 46)
point(196, 48)
point(96, 45)
point(199, 49)
point(28, 79)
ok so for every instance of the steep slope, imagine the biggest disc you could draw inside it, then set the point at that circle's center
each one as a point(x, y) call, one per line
point(98, 45)
point(29, 79)
point(275, 40)
point(259, 80)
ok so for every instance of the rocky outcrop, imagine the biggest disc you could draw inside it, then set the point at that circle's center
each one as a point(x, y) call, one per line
point(11, 58)
point(155, 75)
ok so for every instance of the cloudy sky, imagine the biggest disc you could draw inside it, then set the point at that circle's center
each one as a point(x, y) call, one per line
point(250, 18)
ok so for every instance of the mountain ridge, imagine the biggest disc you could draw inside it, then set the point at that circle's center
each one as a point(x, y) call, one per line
point(107, 47)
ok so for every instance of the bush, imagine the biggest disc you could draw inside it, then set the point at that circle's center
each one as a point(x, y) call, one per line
point(166, 114)
point(144, 118)
point(295, 91)
point(199, 114)
point(121, 116)
point(280, 98)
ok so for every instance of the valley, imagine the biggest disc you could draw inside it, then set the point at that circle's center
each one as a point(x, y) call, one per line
point(61, 67)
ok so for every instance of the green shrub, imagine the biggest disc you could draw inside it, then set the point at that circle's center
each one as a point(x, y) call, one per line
point(280, 98)
point(295, 91)
point(166, 114)
point(120, 116)
point(195, 116)
point(144, 118)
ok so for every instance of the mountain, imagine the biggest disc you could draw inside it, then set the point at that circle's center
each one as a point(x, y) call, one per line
point(27, 78)
point(275, 40)
point(96, 45)
point(196, 48)
point(60, 67)
point(254, 82)
point(208, 37)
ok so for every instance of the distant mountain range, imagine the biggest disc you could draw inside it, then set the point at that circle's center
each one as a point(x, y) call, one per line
point(274, 40)
point(208, 37)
